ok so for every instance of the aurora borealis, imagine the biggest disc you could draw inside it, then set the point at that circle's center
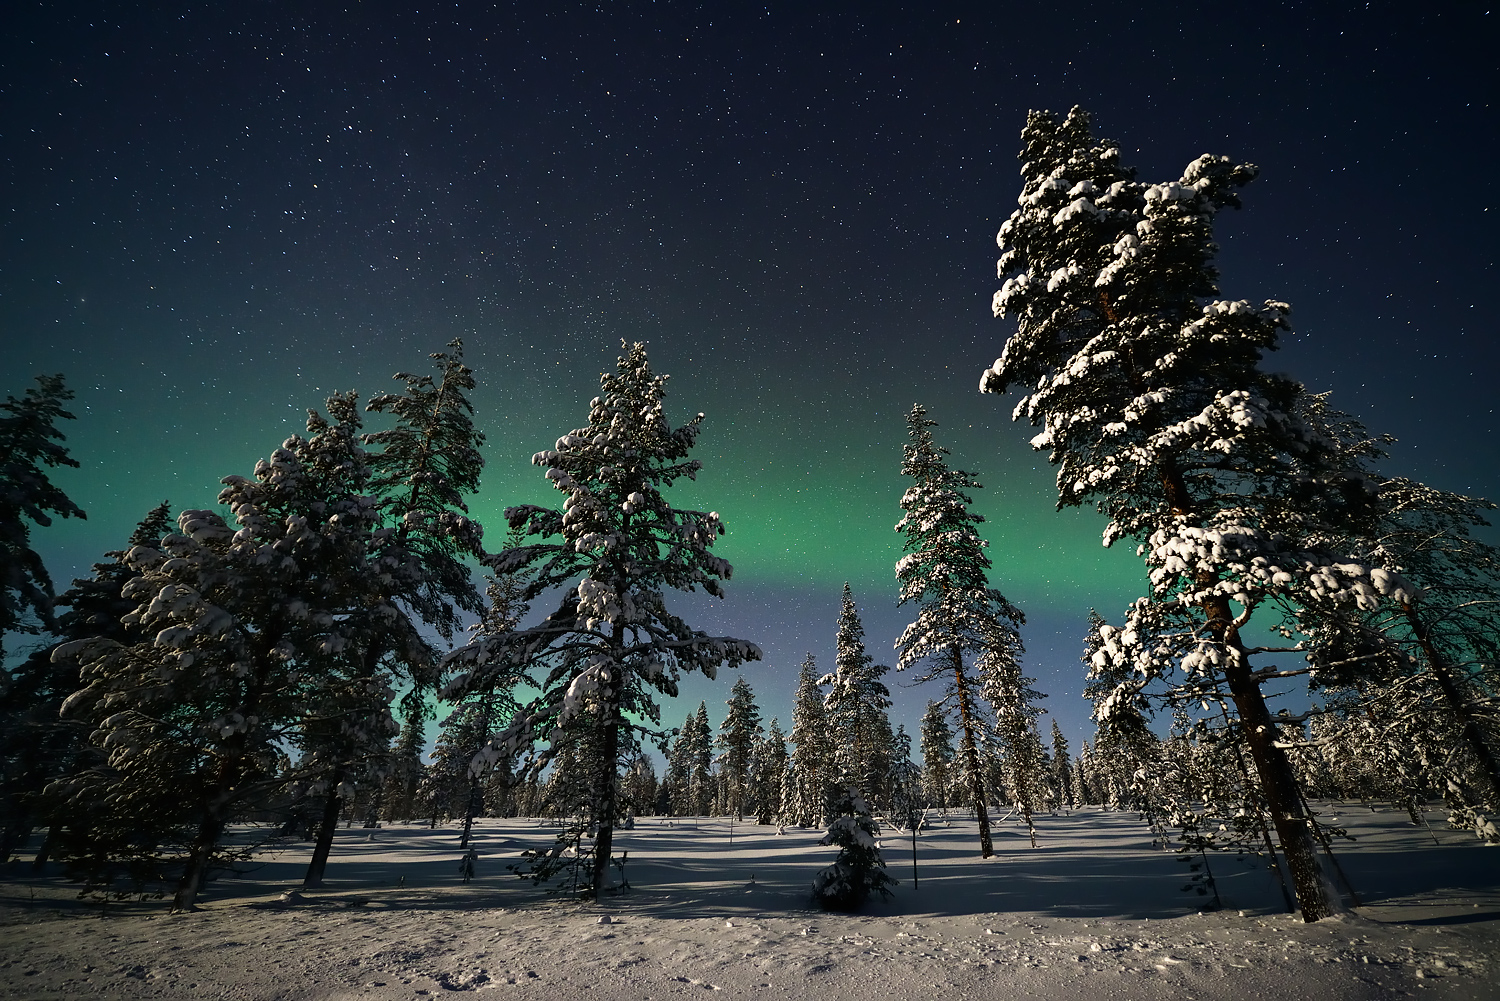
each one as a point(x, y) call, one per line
point(213, 218)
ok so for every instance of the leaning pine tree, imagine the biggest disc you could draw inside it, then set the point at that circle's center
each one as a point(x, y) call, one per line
point(1152, 401)
point(611, 643)
point(966, 632)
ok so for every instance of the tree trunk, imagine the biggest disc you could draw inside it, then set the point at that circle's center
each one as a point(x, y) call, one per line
point(971, 756)
point(470, 812)
point(604, 798)
point(326, 828)
point(1278, 782)
point(45, 851)
point(210, 829)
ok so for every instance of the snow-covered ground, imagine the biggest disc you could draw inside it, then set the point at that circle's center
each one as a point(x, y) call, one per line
point(1093, 912)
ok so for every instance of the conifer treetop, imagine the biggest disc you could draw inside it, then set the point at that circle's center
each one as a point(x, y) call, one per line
point(610, 553)
point(945, 570)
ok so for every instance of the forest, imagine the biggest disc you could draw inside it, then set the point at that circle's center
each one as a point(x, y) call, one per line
point(274, 664)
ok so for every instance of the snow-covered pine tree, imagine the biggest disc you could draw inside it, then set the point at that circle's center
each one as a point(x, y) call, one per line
point(859, 868)
point(1155, 409)
point(700, 758)
point(1450, 623)
point(805, 802)
point(679, 768)
point(770, 770)
point(451, 787)
point(738, 736)
point(36, 745)
point(404, 773)
point(640, 785)
point(908, 796)
point(252, 633)
point(937, 755)
point(1062, 768)
point(424, 467)
point(419, 473)
point(1012, 699)
point(1125, 748)
point(611, 642)
point(29, 445)
point(855, 706)
point(966, 632)
point(1085, 780)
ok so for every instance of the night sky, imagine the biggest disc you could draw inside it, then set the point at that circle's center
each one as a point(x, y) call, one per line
point(216, 215)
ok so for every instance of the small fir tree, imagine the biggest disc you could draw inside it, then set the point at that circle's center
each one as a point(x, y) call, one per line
point(859, 869)
point(1062, 768)
point(937, 755)
point(771, 771)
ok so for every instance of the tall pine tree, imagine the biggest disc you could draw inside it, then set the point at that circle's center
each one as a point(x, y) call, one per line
point(805, 802)
point(738, 736)
point(1155, 409)
point(966, 633)
point(611, 643)
point(856, 706)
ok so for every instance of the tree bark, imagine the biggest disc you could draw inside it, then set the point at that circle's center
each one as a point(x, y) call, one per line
point(971, 756)
point(1278, 781)
point(210, 829)
point(327, 825)
point(604, 798)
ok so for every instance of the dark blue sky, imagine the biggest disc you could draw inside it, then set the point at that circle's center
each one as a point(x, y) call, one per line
point(213, 217)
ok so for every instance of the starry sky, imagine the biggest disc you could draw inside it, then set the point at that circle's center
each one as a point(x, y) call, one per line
point(216, 215)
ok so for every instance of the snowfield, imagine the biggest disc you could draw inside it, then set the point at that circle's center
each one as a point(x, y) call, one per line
point(714, 909)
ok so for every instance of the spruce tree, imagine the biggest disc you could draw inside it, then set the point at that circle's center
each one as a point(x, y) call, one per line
point(36, 745)
point(966, 632)
point(859, 868)
point(1012, 699)
point(611, 643)
point(679, 768)
point(1154, 407)
point(771, 770)
point(856, 706)
point(738, 736)
point(700, 760)
point(1062, 768)
point(255, 634)
point(419, 472)
point(808, 780)
point(937, 755)
point(404, 773)
point(29, 446)
point(451, 786)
